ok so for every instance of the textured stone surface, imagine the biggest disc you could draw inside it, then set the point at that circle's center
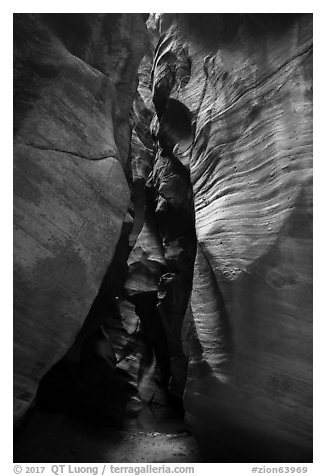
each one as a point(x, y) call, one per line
point(214, 301)
point(75, 78)
point(249, 94)
point(160, 263)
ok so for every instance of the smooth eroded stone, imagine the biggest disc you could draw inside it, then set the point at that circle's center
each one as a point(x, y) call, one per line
point(250, 95)
point(62, 248)
point(75, 78)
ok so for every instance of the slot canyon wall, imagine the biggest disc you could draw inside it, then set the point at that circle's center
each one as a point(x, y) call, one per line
point(247, 81)
point(163, 222)
point(75, 79)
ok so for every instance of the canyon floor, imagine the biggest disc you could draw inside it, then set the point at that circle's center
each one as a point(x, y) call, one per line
point(157, 435)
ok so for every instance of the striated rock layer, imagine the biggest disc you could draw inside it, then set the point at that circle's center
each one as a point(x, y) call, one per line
point(247, 82)
point(75, 79)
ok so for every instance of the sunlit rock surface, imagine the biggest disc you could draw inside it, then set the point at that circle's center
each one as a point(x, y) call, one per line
point(75, 79)
point(248, 86)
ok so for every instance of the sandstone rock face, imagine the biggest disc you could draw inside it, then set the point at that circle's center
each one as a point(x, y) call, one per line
point(246, 81)
point(75, 79)
point(176, 216)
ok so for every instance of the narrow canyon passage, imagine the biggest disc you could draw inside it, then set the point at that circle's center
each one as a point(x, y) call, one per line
point(162, 238)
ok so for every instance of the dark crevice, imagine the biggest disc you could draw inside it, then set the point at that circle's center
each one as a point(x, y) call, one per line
point(175, 126)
